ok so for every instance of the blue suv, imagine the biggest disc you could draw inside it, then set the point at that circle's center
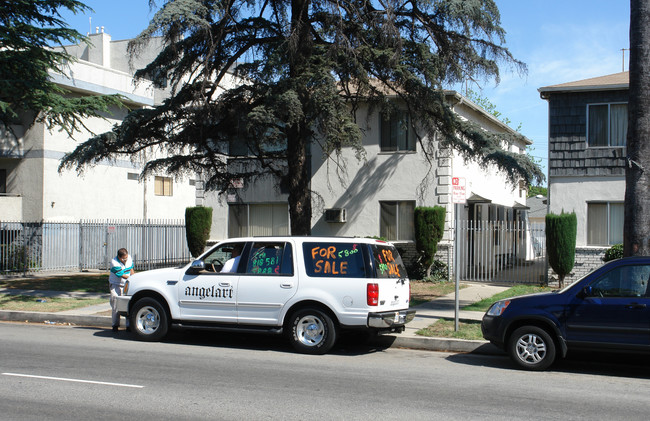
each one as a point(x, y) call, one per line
point(607, 310)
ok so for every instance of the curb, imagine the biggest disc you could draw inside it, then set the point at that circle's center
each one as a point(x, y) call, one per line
point(388, 341)
point(54, 318)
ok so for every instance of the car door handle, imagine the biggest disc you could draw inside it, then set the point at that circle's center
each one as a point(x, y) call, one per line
point(635, 305)
point(224, 284)
point(287, 285)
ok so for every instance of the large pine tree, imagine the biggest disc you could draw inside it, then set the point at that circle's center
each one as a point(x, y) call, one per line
point(28, 30)
point(636, 231)
point(303, 68)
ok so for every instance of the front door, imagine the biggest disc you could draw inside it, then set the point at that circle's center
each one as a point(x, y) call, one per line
point(615, 311)
point(211, 296)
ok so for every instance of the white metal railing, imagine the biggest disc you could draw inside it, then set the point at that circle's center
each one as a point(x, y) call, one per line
point(63, 246)
point(492, 251)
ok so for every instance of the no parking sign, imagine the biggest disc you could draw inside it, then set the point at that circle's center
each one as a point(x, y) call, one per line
point(458, 190)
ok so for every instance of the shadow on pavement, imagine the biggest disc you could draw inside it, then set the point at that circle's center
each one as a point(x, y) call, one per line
point(598, 364)
point(348, 344)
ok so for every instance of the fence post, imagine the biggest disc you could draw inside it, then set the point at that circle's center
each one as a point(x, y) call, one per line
point(81, 245)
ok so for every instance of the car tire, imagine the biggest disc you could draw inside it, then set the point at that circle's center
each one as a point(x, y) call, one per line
point(312, 331)
point(532, 348)
point(149, 321)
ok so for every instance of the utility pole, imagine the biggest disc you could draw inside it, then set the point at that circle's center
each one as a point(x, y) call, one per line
point(623, 50)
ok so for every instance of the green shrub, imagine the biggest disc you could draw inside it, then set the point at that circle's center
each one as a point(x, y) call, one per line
point(198, 221)
point(561, 231)
point(438, 272)
point(614, 252)
point(429, 228)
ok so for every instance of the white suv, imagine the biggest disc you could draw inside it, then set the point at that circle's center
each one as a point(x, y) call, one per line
point(307, 287)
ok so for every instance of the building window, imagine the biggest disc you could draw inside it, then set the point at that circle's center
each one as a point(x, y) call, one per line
point(397, 133)
point(605, 223)
point(607, 125)
point(163, 186)
point(396, 220)
point(258, 219)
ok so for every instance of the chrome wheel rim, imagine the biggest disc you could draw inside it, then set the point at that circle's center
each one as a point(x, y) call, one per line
point(531, 348)
point(147, 320)
point(310, 330)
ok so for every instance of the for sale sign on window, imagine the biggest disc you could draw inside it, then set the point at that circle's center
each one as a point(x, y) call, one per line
point(458, 190)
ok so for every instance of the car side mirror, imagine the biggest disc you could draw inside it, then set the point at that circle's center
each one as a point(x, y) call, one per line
point(196, 267)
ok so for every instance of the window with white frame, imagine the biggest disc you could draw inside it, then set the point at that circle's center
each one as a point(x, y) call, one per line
point(606, 125)
point(163, 186)
point(397, 133)
point(258, 219)
point(605, 223)
point(396, 220)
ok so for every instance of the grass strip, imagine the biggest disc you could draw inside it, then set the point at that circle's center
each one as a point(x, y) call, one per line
point(84, 283)
point(515, 291)
point(445, 328)
point(47, 305)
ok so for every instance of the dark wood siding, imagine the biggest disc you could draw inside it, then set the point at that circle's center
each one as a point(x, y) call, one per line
point(568, 152)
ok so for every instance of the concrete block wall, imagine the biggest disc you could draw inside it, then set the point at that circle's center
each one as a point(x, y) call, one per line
point(409, 254)
point(587, 259)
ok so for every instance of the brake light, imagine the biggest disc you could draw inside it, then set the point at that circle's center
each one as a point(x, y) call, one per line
point(372, 294)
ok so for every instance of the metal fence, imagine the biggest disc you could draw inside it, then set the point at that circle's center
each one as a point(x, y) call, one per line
point(63, 246)
point(509, 252)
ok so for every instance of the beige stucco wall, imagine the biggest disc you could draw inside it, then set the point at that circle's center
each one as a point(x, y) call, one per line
point(571, 194)
point(104, 191)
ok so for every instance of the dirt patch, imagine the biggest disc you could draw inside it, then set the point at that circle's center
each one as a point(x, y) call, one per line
point(427, 291)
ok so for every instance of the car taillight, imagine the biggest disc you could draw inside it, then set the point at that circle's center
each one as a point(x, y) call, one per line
point(373, 294)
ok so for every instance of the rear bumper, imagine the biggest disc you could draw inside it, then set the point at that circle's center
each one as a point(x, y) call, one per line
point(390, 319)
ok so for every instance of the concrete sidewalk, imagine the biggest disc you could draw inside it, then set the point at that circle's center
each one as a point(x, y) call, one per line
point(426, 314)
point(444, 308)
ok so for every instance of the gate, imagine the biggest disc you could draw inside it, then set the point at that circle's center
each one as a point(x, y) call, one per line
point(501, 252)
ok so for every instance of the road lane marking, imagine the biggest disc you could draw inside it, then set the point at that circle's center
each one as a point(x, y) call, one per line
point(73, 380)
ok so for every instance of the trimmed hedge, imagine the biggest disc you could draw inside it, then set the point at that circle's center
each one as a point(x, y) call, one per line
point(614, 252)
point(429, 228)
point(561, 232)
point(198, 221)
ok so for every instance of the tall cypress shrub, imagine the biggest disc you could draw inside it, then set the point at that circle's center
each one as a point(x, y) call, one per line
point(429, 228)
point(561, 232)
point(198, 221)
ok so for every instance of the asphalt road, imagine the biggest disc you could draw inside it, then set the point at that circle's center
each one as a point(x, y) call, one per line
point(61, 372)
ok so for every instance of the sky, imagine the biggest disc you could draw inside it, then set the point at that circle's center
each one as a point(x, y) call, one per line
point(559, 40)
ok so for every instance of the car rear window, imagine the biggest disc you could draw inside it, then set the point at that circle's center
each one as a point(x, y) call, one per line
point(387, 262)
point(339, 260)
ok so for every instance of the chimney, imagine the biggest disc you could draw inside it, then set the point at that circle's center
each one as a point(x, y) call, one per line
point(100, 51)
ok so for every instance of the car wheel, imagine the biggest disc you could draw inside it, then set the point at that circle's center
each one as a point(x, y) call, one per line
point(149, 320)
point(532, 348)
point(312, 331)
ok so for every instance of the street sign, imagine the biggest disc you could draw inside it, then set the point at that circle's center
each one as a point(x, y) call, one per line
point(458, 190)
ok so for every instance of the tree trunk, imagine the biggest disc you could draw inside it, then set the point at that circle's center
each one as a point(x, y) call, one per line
point(636, 232)
point(299, 178)
point(298, 168)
